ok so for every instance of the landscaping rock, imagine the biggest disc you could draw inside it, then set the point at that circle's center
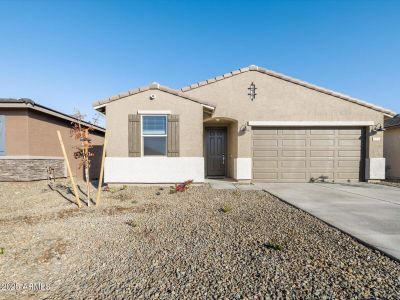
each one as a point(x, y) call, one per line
point(184, 248)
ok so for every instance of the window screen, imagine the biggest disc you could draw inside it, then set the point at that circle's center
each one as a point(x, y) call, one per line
point(154, 132)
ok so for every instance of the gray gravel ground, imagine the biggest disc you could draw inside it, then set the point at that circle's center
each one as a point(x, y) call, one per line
point(395, 183)
point(201, 243)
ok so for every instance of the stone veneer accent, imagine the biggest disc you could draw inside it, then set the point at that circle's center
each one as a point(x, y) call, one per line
point(27, 169)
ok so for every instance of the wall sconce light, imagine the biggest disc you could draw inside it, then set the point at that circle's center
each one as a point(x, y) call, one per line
point(378, 127)
point(244, 128)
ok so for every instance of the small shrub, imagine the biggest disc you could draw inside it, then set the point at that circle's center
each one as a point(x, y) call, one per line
point(272, 245)
point(180, 187)
point(1, 250)
point(132, 223)
point(225, 209)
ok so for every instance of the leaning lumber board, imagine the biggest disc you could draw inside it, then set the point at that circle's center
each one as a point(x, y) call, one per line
point(78, 201)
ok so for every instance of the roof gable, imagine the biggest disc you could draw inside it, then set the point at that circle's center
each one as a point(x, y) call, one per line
point(289, 79)
point(154, 86)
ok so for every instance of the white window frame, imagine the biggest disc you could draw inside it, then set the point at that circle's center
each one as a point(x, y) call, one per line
point(154, 135)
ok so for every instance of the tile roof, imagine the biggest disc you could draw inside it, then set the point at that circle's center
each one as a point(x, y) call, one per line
point(393, 122)
point(29, 103)
point(289, 79)
point(153, 86)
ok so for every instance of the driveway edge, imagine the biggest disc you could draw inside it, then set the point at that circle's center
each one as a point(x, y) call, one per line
point(333, 226)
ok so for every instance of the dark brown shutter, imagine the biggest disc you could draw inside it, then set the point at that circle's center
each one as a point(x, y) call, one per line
point(134, 137)
point(173, 135)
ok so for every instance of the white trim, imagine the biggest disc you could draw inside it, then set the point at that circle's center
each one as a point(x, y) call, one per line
point(310, 123)
point(31, 157)
point(375, 168)
point(242, 168)
point(208, 107)
point(153, 112)
point(99, 106)
point(158, 169)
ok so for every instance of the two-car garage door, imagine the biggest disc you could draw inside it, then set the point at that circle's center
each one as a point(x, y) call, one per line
point(299, 154)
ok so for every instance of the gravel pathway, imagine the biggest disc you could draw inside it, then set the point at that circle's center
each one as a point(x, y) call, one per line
point(201, 243)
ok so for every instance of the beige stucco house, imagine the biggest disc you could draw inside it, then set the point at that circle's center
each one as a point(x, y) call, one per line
point(29, 145)
point(250, 124)
point(391, 148)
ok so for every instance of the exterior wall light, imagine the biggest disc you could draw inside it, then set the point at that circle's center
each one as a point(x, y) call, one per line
point(378, 127)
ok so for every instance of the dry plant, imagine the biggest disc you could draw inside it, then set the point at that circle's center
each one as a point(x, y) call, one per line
point(81, 131)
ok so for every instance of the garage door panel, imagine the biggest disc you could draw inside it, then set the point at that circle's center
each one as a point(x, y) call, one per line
point(350, 142)
point(320, 142)
point(261, 164)
point(293, 153)
point(294, 131)
point(322, 131)
point(348, 175)
point(321, 153)
point(356, 132)
point(293, 175)
point(293, 164)
point(265, 175)
point(265, 142)
point(349, 153)
point(322, 164)
point(348, 163)
point(265, 153)
point(265, 132)
point(294, 142)
point(297, 154)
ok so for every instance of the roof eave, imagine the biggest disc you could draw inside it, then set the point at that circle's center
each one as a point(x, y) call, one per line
point(292, 80)
point(99, 105)
point(46, 110)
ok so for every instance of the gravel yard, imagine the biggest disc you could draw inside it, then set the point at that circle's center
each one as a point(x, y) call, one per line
point(394, 183)
point(201, 243)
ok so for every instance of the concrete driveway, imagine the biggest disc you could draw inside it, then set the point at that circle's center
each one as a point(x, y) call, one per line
point(368, 212)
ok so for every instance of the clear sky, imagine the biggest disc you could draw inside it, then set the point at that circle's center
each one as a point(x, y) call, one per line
point(66, 54)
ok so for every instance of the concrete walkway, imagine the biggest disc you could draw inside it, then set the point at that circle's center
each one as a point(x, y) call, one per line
point(228, 184)
point(368, 212)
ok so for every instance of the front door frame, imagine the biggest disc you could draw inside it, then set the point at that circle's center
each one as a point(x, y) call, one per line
point(225, 128)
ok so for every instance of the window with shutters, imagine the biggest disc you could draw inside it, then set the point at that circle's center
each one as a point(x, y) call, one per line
point(154, 135)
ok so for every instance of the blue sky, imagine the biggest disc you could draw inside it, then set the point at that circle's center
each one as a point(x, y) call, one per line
point(66, 54)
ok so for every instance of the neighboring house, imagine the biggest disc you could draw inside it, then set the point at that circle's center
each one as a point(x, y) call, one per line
point(391, 147)
point(250, 124)
point(29, 143)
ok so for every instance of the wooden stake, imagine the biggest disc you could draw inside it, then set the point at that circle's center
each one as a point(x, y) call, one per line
point(101, 171)
point(85, 144)
point(78, 201)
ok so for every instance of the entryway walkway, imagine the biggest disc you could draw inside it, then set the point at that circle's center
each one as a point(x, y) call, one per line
point(230, 184)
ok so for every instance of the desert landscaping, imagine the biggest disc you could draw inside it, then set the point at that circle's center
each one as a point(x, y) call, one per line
point(144, 242)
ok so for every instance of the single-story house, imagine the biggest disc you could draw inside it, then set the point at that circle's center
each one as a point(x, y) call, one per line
point(29, 144)
point(391, 147)
point(250, 124)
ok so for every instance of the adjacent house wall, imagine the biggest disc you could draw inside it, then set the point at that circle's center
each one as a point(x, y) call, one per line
point(43, 141)
point(392, 152)
point(17, 140)
point(32, 145)
point(280, 100)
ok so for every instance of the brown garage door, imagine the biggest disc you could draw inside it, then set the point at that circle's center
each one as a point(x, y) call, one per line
point(299, 154)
